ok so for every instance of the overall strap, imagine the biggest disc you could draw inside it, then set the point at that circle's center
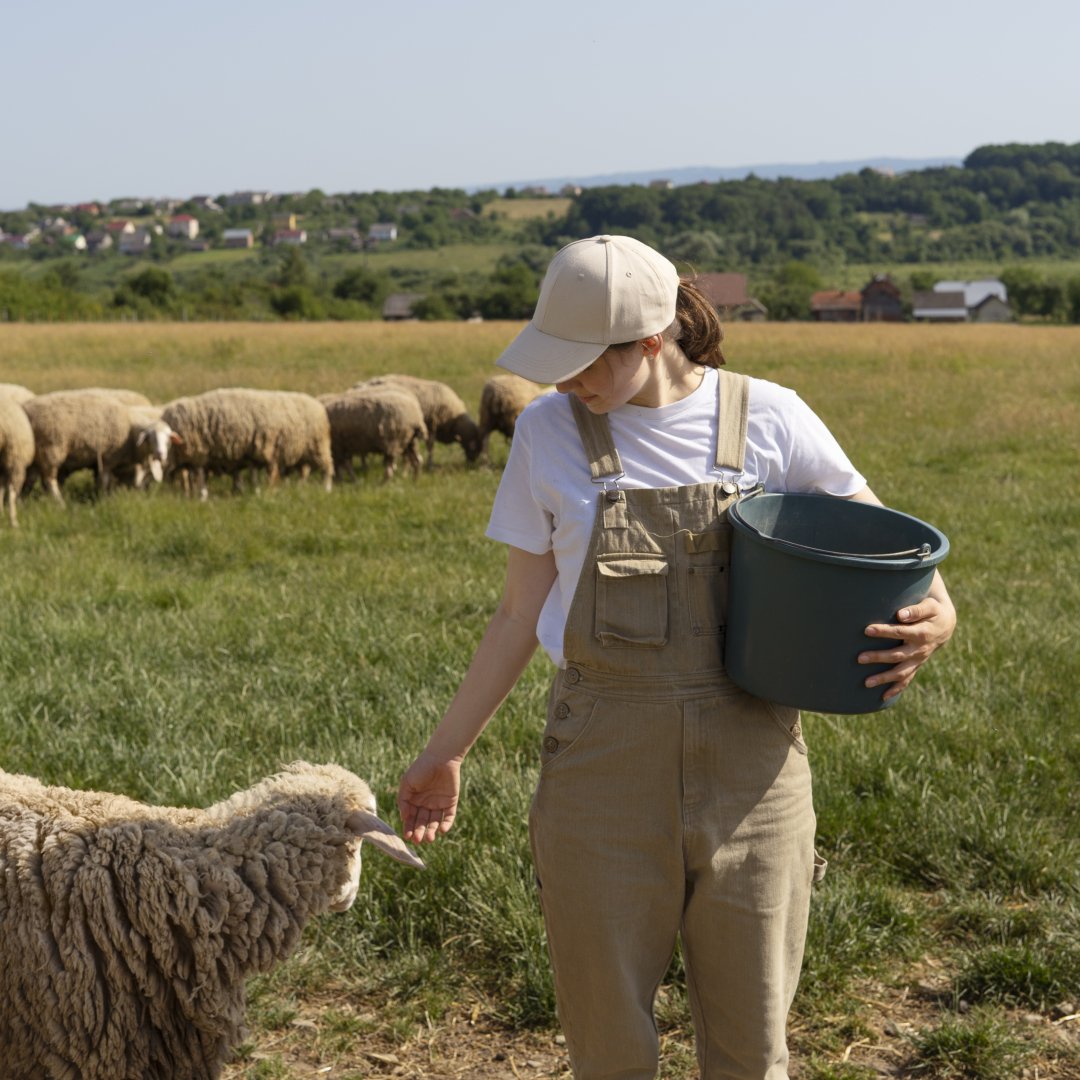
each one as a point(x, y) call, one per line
point(732, 411)
point(595, 432)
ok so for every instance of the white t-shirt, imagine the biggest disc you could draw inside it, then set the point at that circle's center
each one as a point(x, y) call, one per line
point(547, 501)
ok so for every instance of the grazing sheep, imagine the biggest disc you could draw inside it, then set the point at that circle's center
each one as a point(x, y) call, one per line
point(445, 414)
point(375, 420)
point(16, 452)
point(15, 392)
point(128, 930)
point(75, 430)
point(232, 429)
point(501, 403)
point(125, 397)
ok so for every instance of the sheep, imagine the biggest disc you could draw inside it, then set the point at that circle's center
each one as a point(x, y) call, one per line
point(92, 429)
point(146, 453)
point(444, 413)
point(76, 430)
point(501, 403)
point(228, 430)
point(16, 453)
point(375, 420)
point(15, 393)
point(128, 930)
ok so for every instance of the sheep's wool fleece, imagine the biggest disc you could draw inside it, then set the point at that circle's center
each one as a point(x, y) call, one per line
point(127, 930)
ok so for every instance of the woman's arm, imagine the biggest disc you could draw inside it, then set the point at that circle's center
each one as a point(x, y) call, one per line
point(428, 792)
point(920, 628)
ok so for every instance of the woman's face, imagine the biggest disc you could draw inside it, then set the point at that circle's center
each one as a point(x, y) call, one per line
point(614, 378)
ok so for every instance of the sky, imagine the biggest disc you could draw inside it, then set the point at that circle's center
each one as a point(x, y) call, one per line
point(120, 98)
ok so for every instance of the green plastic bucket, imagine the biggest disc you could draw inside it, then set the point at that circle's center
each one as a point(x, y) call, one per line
point(808, 574)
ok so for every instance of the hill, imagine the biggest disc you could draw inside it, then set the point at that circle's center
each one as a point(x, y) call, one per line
point(697, 174)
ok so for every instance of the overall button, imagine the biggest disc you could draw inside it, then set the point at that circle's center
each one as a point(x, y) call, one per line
point(562, 710)
point(572, 675)
point(551, 744)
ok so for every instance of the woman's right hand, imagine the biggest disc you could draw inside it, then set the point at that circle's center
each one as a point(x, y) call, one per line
point(428, 797)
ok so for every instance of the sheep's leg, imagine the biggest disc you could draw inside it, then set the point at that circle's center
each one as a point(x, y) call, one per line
point(52, 484)
point(413, 458)
point(430, 452)
point(200, 483)
point(275, 472)
point(9, 494)
point(388, 466)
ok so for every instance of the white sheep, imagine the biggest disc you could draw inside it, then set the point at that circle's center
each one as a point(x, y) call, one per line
point(92, 429)
point(447, 419)
point(375, 420)
point(15, 392)
point(16, 453)
point(502, 401)
point(229, 430)
point(128, 930)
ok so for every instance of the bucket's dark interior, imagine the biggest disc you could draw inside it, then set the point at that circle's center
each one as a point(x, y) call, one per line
point(836, 525)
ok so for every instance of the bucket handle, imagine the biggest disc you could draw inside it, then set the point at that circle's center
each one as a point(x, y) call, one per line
point(921, 552)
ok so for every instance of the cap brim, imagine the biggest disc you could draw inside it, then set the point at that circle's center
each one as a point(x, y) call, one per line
point(543, 358)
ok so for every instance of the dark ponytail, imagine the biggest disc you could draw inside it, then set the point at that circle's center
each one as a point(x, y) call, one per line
point(697, 327)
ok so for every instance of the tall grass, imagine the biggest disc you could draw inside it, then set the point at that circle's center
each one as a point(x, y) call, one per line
point(176, 651)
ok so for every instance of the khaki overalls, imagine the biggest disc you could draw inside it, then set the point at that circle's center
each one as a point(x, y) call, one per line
point(669, 801)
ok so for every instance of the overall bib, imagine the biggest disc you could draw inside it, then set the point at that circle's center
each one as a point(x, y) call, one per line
point(670, 802)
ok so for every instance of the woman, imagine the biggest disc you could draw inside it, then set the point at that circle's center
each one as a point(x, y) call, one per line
point(670, 802)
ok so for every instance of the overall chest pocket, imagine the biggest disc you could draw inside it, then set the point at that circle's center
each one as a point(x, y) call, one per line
point(632, 600)
point(707, 563)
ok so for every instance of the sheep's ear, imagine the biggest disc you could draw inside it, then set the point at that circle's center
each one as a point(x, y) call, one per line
point(375, 831)
point(175, 439)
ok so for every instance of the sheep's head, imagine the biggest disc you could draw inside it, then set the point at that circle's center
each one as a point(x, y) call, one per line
point(153, 444)
point(365, 824)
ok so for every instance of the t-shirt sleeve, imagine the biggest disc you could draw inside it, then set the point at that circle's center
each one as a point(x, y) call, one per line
point(794, 449)
point(517, 516)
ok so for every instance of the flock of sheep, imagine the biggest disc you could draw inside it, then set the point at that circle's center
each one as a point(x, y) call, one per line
point(124, 438)
point(127, 931)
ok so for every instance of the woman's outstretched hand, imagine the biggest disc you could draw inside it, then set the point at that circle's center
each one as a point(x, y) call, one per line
point(428, 798)
point(921, 629)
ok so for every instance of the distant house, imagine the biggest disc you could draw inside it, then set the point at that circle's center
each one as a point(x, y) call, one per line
point(238, 238)
point(91, 208)
point(127, 206)
point(662, 185)
point(571, 190)
point(290, 236)
point(98, 240)
point(284, 222)
point(183, 227)
point(204, 202)
point(20, 241)
point(345, 236)
point(991, 308)
point(881, 300)
point(248, 198)
point(134, 243)
point(835, 305)
point(975, 291)
point(119, 227)
point(382, 231)
point(939, 307)
point(728, 294)
point(399, 306)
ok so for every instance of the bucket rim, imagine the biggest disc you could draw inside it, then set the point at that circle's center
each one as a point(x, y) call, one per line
point(938, 541)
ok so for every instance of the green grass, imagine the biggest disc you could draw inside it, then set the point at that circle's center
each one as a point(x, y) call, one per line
point(176, 651)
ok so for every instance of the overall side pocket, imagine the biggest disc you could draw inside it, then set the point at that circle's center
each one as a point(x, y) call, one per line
point(632, 600)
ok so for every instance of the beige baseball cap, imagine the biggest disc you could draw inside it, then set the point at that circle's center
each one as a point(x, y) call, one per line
point(597, 292)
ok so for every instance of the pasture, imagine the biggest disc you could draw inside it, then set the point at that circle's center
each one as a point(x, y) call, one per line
point(177, 651)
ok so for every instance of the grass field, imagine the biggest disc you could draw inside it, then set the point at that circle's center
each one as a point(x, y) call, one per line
point(176, 651)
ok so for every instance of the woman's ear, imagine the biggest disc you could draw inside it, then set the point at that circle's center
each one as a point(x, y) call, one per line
point(652, 345)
